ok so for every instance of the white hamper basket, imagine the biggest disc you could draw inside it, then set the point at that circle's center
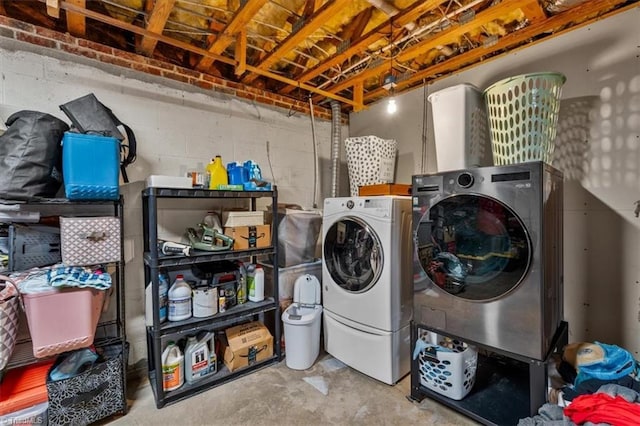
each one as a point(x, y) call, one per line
point(460, 128)
point(447, 366)
point(371, 160)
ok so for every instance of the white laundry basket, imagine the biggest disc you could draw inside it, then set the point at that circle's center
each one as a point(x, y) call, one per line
point(460, 128)
point(447, 366)
point(370, 160)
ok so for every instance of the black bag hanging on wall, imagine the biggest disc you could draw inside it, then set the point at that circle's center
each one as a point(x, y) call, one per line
point(31, 156)
point(89, 115)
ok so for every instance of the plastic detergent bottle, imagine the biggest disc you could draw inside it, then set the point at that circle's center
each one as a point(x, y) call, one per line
point(217, 173)
point(256, 285)
point(163, 289)
point(197, 358)
point(179, 299)
point(172, 367)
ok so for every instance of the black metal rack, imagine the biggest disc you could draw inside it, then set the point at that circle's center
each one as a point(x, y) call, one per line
point(508, 386)
point(153, 261)
point(109, 331)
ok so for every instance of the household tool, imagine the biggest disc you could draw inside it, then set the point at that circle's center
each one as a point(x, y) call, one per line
point(208, 239)
point(169, 248)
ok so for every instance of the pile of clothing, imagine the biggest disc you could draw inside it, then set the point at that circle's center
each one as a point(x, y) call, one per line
point(602, 385)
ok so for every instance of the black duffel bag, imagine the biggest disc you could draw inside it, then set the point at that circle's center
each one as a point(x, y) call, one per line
point(31, 156)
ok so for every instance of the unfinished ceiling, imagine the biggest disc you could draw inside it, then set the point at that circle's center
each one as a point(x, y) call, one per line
point(354, 51)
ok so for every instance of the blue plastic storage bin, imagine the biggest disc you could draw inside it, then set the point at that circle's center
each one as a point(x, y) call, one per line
point(90, 166)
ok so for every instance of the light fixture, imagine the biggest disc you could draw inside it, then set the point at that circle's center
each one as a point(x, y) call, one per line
point(391, 106)
point(389, 83)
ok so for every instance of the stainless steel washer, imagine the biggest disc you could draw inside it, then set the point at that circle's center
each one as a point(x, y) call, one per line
point(488, 255)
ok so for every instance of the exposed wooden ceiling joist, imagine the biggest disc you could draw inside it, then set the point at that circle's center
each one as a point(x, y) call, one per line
point(360, 44)
point(337, 49)
point(156, 22)
point(517, 38)
point(311, 25)
point(240, 19)
point(442, 38)
point(76, 24)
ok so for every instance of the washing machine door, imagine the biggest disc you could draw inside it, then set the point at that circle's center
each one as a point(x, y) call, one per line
point(473, 246)
point(353, 254)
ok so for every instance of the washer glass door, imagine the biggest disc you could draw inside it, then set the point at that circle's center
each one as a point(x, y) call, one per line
point(473, 246)
point(353, 254)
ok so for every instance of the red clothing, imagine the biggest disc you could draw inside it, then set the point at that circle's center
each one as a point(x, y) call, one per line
point(603, 408)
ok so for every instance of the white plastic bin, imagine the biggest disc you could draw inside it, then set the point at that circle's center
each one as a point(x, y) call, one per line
point(302, 324)
point(446, 366)
point(460, 128)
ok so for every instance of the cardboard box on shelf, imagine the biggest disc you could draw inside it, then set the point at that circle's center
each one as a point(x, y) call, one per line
point(246, 344)
point(246, 237)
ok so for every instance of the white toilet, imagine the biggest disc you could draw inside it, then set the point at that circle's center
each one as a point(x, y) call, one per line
point(302, 321)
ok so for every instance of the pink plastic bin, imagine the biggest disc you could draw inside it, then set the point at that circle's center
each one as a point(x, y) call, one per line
point(62, 320)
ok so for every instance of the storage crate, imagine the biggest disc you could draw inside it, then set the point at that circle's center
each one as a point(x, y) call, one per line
point(446, 366)
point(90, 166)
point(523, 116)
point(62, 320)
point(92, 395)
point(90, 240)
point(288, 276)
point(24, 387)
point(33, 246)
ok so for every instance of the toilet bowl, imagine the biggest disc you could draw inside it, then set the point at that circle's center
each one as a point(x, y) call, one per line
point(302, 323)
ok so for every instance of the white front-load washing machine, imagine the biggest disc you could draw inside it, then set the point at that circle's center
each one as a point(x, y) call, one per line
point(367, 285)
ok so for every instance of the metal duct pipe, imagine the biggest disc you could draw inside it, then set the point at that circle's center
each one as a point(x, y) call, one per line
point(336, 123)
point(390, 10)
point(315, 155)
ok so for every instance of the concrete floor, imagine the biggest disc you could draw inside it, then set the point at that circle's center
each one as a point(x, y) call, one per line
point(279, 395)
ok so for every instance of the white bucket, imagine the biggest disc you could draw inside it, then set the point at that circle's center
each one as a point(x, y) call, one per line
point(460, 128)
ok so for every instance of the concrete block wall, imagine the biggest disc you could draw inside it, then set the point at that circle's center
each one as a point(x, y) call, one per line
point(179, 127)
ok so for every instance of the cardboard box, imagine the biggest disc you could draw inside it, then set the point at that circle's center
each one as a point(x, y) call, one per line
point(384, 189)
point(246, 344)
point(246, 237)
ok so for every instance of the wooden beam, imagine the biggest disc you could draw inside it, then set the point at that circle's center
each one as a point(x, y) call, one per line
point(326, 12)
point(534, 12)
point(53, 8)
point(76, 24)
point(443, 38)
point(352, 30)
point(359, 45)
point(241, 52)
point(358, 95)
point(582, 11)
point(191, 48)
point(238, 22)
point(157, 21)
point(303, 86)
point(310, 7)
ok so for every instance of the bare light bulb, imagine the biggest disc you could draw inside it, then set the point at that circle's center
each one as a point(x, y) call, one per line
point(391, 106)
